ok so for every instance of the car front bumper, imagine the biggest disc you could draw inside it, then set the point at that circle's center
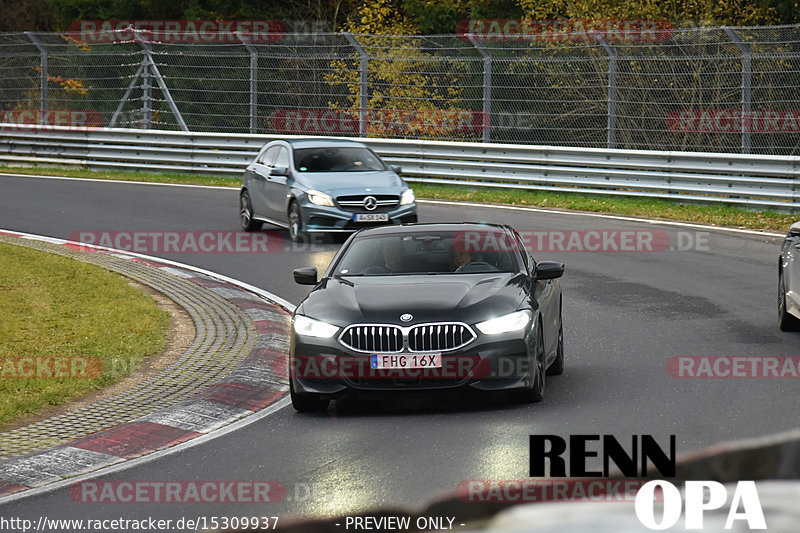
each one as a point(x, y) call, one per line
point(327, 219)
point(326, 367)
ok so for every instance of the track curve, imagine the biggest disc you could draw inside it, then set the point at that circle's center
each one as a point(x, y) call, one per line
point(625, 315)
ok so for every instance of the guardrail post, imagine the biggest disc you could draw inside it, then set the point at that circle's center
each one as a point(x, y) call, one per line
point(253, 83)
point(487, 85)
point(363, 95)
point(42, 75)
point(747, 119)
point(611, 123)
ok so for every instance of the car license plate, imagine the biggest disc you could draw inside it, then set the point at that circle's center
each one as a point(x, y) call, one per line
point(417, 360)
point(371, 217)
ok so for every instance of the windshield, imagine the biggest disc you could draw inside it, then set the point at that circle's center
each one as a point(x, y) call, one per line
point(336, 159)
point(458, 252)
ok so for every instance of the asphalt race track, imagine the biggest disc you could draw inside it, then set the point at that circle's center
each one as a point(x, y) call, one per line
point(625, 315)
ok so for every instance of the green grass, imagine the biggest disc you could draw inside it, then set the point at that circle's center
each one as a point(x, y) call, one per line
point(59, 309)
point(718, 215)
point(172, 177)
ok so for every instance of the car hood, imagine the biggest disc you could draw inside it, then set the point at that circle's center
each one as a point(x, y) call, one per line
point(466, 298)
point(346, 183)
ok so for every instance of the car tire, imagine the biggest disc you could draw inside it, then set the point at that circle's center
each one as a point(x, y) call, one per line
point(246, 213)
point(306, 403)
point(296, 232)
point(535, 391)
point(557, 368)
point(786, 321)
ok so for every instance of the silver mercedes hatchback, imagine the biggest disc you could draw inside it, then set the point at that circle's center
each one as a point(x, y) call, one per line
point(322, 185)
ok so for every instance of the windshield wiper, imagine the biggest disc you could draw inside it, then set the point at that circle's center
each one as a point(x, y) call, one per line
point(346, 281)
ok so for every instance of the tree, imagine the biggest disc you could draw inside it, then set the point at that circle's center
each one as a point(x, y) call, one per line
point(411, 91)
point(26, 15)
point(679, 12)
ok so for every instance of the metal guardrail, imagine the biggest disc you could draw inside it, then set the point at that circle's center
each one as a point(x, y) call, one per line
point(752, 180)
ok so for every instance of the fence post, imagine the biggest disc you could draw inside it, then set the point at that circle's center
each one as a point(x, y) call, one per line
point(118, 110)
point(362, 91)
point(147, 91)
point(747, 119)
point(253, 84)
point(146, 72)
point(42, 75)
point(487, 85)
point(611, 124)
point(147, 88)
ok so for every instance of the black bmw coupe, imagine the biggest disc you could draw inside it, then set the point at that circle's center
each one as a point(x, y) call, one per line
point(423, 307)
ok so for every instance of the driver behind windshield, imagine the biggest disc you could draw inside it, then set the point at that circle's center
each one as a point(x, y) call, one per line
point(345, 159)
point(461, 255)
point(462, 258)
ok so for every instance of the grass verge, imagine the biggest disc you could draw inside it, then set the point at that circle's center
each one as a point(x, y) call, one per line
point(67, 328)
point(717, 215)
point(171, 177)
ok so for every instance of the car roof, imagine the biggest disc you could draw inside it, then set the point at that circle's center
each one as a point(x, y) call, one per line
point(432, 227)
point(322, 143)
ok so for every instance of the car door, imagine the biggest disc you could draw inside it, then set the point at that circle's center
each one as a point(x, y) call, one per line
point(546, 295)
point(259, 189)
point(276, 186)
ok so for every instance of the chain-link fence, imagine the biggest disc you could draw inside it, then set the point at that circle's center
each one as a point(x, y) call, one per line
point(703, 89)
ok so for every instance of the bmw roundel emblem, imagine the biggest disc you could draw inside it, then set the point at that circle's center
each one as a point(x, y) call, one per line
point(405, 317)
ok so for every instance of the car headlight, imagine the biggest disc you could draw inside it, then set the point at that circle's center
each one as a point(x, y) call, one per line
point(407, 197)
point(503, 324)
point(313, 328)
point(319, 198)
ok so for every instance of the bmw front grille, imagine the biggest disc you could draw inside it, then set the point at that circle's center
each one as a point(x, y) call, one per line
point(389, 338)
point(373, 338)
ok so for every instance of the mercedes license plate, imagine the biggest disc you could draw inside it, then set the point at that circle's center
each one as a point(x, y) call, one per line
point(371, 217)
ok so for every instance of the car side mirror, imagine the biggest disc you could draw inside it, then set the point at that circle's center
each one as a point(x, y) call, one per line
point(397, 169)
point(279, 171)
point(305, 275)
point(548, 270)
point(794, 229)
